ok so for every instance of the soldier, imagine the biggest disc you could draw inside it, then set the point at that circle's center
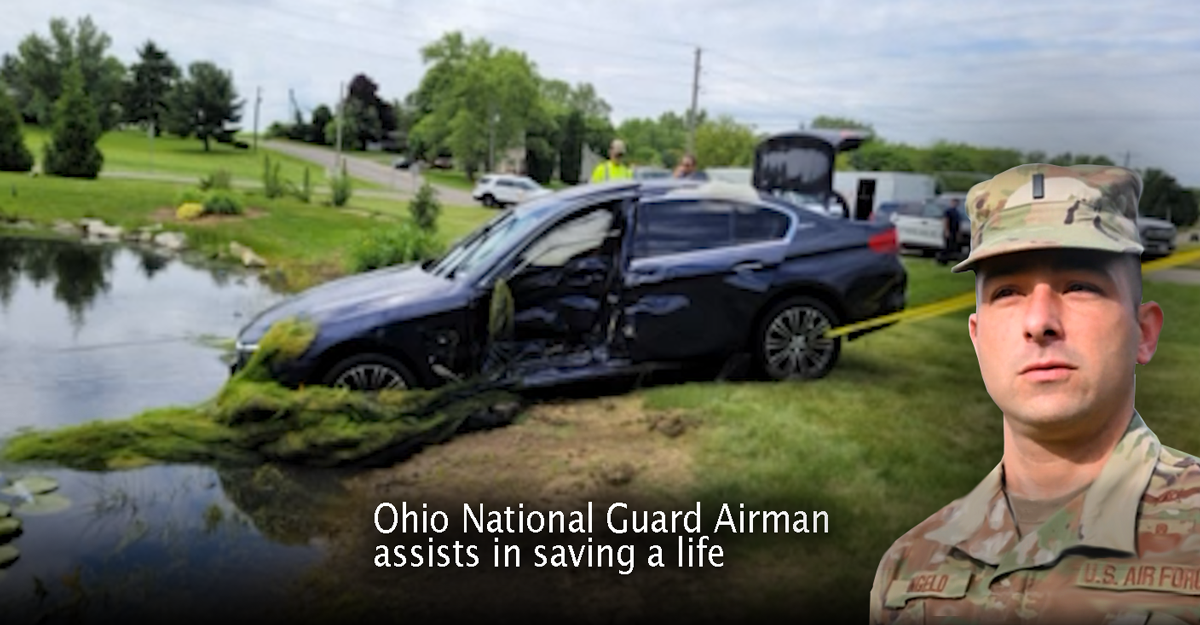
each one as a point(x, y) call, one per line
point(1088, 518)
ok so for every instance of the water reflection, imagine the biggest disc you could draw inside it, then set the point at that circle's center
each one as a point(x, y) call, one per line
point(78, 272)
point(163, 538)
point(91, 331)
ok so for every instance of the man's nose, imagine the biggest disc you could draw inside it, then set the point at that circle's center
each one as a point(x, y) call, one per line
point(1043, 319)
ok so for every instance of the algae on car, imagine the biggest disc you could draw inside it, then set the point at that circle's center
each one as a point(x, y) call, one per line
point(254, 420)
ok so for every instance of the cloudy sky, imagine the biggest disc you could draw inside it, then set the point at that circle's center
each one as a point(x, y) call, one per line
point(1093, 76)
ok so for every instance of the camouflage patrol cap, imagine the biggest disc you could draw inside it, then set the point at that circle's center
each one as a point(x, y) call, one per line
point(1039, 206)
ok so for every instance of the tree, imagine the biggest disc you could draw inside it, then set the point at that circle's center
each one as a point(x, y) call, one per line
point(570, 155)
point(203, 104)
point(14, 156)
point(36, 73)
point(480, 101)
point(151, 80)
point(1165, 198)
point(321, 116)
point(832, 122)
point(724, 143)
point(72, 150)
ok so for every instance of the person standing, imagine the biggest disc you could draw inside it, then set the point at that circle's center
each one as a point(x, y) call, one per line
point(1088, 517)
point(951, 222)
point(614, 168)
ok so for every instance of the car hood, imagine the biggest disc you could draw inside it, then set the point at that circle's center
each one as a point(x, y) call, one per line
point(367, 293)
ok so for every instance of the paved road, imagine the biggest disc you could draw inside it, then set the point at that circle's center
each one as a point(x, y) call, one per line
point(402, 182)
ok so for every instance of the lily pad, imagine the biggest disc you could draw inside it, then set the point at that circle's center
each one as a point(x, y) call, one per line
point(34, 485)
point(9, 527)
point(45, 504)
point(8, 554)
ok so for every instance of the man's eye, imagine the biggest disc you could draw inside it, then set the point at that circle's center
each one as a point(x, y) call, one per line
point(1004, 292)
point(1082, 286)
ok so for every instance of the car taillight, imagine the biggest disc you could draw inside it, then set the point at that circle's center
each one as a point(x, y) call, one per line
point(884, 242)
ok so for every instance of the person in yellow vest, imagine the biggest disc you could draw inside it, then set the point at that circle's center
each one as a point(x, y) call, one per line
point(613, 168)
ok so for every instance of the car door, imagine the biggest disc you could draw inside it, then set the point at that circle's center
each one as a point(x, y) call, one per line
point(698, 270)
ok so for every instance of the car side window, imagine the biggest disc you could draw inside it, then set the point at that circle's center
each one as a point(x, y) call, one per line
point(756, 224)
point(681, 226)
point(911, 209)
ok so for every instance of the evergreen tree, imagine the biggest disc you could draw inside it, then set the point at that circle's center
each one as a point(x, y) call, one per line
point(72, 150)
point(14, 156)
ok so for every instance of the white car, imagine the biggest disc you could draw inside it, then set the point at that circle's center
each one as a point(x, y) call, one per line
point(1158, 236)
point(499, 190)
point(919, 225)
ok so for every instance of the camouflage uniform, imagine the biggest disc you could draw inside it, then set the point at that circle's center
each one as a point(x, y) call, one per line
point(1124, 550)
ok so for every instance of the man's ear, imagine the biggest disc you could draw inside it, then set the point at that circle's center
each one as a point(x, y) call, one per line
point(1150, 323)
point(973, 330)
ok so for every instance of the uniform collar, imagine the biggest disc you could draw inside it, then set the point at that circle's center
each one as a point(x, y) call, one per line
point(1104, 516)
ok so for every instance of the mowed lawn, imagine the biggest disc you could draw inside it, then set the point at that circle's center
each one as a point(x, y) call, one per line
point(308, 242)
point(131, 151)
point(903, 426)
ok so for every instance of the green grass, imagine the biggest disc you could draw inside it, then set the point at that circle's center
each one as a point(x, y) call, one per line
point(902, 427)
point(128, 151)
point(308, 243)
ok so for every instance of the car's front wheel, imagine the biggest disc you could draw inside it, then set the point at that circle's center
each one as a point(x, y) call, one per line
point(790, 344)
point(369, 372)
point(489, 201)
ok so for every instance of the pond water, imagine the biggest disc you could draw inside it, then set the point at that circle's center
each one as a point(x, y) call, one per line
point(102, 332)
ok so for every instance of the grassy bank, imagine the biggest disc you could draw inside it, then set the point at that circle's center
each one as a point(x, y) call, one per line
point(306, 242)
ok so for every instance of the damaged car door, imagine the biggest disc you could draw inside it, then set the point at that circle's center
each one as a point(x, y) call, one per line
point(699, 269)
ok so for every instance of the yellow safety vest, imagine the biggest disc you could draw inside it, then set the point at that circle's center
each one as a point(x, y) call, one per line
point(609, 170)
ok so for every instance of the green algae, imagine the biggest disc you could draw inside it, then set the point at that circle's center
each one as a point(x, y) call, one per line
point(254, 420)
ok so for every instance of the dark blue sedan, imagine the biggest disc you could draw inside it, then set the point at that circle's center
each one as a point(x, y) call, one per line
point(612, 279)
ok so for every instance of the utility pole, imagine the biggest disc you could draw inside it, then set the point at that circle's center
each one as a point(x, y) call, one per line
point(1127, 159)
point(337, 166)
point(492, 119)
point(257, 103)
point(691, 142)
point(150, 135)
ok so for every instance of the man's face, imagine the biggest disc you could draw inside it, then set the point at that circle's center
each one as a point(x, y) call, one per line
point(1057, 335)
point(689, 165)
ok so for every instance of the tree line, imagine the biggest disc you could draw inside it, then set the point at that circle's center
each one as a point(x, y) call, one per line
point(475, 102)
point(70, 83)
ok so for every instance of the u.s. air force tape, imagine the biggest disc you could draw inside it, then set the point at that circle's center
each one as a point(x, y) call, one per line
point(966, 300)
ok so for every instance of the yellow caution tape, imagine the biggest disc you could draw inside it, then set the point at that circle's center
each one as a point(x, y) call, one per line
point(966, 300)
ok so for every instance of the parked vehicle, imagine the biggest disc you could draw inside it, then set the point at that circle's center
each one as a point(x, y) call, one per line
point(650, 173)
point(402, 162)
point(610, 279)
point(500, 190)
point(867, 190)
point(919, 226)
point(1158, 236)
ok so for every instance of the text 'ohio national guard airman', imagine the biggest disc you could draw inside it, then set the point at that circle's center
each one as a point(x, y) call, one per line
point(1088, 517)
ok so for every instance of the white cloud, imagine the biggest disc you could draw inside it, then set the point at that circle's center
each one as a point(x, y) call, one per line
point(1084, 76)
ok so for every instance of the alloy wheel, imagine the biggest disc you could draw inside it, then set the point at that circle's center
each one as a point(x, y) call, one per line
point(794, 346)
point(370, 377)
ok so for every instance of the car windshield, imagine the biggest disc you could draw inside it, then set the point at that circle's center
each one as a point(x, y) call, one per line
point(483, 246)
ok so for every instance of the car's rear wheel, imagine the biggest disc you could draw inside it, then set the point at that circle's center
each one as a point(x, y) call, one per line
point(489, 201)
point(790, 345)
point(369, 372)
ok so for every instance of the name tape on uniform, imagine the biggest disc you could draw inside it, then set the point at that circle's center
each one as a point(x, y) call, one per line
point(966, 300)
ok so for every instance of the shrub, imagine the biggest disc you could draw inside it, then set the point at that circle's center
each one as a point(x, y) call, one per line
point(218, 180)
point(189, 211)
point(222, 203)
point(273, 185)
point(189, 196)
point(405, 243)
point(424, 208)
point(71, 151)
point(304, 191)
point(340, 188)
point(14, 156)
